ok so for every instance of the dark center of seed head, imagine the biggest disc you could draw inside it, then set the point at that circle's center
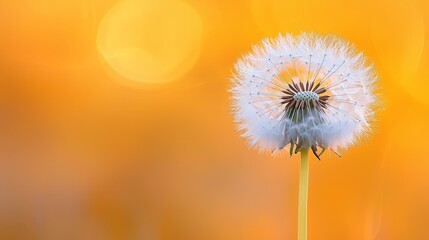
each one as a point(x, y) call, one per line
point(306, 96)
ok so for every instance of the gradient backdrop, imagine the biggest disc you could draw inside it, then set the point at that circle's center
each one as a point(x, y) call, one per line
point(115, 124)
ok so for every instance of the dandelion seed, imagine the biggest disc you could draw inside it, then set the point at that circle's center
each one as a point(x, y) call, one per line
point(321, 77)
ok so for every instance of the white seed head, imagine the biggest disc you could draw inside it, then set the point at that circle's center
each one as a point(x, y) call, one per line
point(307, 91)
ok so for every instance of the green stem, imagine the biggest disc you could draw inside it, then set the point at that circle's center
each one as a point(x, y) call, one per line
point(303, 196)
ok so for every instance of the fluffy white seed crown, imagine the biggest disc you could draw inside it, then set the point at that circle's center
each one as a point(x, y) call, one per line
point(307, 91)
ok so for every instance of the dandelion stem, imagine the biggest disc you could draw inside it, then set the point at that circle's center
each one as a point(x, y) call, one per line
point(303, 196)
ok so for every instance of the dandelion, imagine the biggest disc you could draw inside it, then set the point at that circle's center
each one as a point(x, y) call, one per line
point(304, 92)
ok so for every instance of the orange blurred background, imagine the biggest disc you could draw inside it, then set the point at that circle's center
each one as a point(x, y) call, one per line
point(115, 123)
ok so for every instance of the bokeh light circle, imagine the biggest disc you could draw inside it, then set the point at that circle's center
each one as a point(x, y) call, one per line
point(150, 41)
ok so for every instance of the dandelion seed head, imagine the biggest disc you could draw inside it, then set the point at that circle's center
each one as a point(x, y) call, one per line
point(306, 91)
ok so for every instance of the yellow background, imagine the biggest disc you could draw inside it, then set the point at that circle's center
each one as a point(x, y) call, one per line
point(115, 123)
